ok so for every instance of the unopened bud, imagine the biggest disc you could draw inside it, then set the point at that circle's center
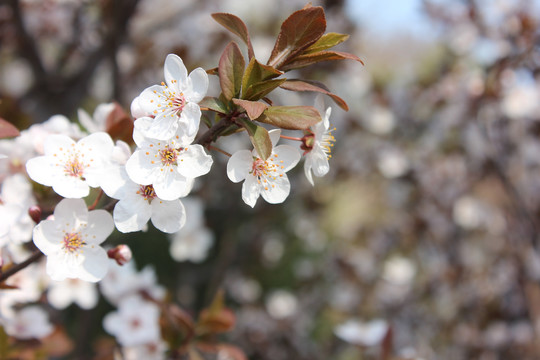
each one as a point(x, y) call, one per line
point(121, 254)
point(35, 213)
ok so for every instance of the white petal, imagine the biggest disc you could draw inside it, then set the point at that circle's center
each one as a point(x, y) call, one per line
point(136, 109)
point(172, 185)
point(250, 190)
point(99, 143)
point(69, 212)
point(57, 268)
point(150, 98)
point(276, 191)
point(274, 136)
point(307, 170)
point(174, 69)
point(95, 265)
point(71, 187)
point(168, 216)
point(47, 237)
point(100, 225)
point(319, 162)
point(287, 157)
point(239, 165)
point(131, 214)
point(190, 119)
point(163, 127)
point(139, 168)
point(199, 85)
point(86, 121)
point(53, 143)
point(43, 170)
point(194, 162)
point(141, 127)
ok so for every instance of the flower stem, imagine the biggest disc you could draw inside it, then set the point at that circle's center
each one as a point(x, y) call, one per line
point(18, 267)
point(211, 147)
point(93, 206)
point(290, 138)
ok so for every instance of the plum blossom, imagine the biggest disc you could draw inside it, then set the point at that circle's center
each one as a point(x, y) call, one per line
point(15, 199)
point(71, 241)
point(169, 165)
point(31, 322)
point(70, 167)
point(62, 293)
point(362, 333)
point(173, 104)
point(318, 145)
point(264, 177)
point(97, 122)
point(136, 322)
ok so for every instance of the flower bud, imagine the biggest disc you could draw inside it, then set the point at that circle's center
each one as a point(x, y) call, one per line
point(35, 213)
point(121, 254)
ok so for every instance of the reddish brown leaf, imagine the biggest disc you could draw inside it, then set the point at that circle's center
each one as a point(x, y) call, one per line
point(254, 109)
point(119, 124)
point(308, 59)
point(291, 117)
point(235, 25)
point(307, 85)
point(216, 318)
point(300, 30)
point(231, 70)
point(7, 129)
point(212, 71)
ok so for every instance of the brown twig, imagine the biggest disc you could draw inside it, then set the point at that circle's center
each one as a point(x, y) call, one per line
point(18, 267)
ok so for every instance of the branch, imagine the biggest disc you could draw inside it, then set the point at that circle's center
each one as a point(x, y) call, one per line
point(16, 268)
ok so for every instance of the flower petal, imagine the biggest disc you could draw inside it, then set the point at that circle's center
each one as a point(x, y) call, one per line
point(163, 127)
point(174, 69)
point(250, 190)
point(171, 185)
point(43, 170)
point(168, 216)
point(71, 187)
point(47, 237)
point(274, 136)
point(190, 119)
point(287, 157)
point(276, 191)
point(199, 85)
point(99, 226)
point(239, 165)
point(307, 170)
point(95, 264)
point(131, 214)
point(194, 162)
point(70, 211)
point(319, 162)
point(140, 169)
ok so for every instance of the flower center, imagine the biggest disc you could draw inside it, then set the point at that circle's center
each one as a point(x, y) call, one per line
point(74, 167)
point(327, 142)
point(174, 101)
point(261, 168)
point(73, 242)
point(168, 156)
point(147, 192)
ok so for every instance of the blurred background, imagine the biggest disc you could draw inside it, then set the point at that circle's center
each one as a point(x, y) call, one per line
point(423, 240)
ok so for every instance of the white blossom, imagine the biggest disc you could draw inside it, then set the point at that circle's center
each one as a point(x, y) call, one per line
point(62, 293)
point(72, 167)
point(174, 103)
point(321, 145)
point(31, 322)
point(264, 177)
point(362, 333)
point(71, 241)
point(136, 322)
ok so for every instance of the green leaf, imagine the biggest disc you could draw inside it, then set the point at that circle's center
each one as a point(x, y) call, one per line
point(257, 72)
point(231, 70)
point(254, 109)
point(259, 138)
point(308, 59)
point(235, 25)
point(326, 42)
point(291, 117)
point(308, 85)
point(300, 30)
point(213, 104)
point(259, 90)
point(7, 129)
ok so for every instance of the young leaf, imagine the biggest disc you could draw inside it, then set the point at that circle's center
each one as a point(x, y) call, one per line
point(216, 318)
point(300, 30)
point(257, 72)
point(259, 90)
point(7, 129)
point(235, 25)
point(308, 59)
point(291, 117)
point(119, 124)
point(212, 71)
point(213, 104)
point(231, 70)
point(308, 85)
point(254, 109)
point(326, 42)
point(259, 138)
